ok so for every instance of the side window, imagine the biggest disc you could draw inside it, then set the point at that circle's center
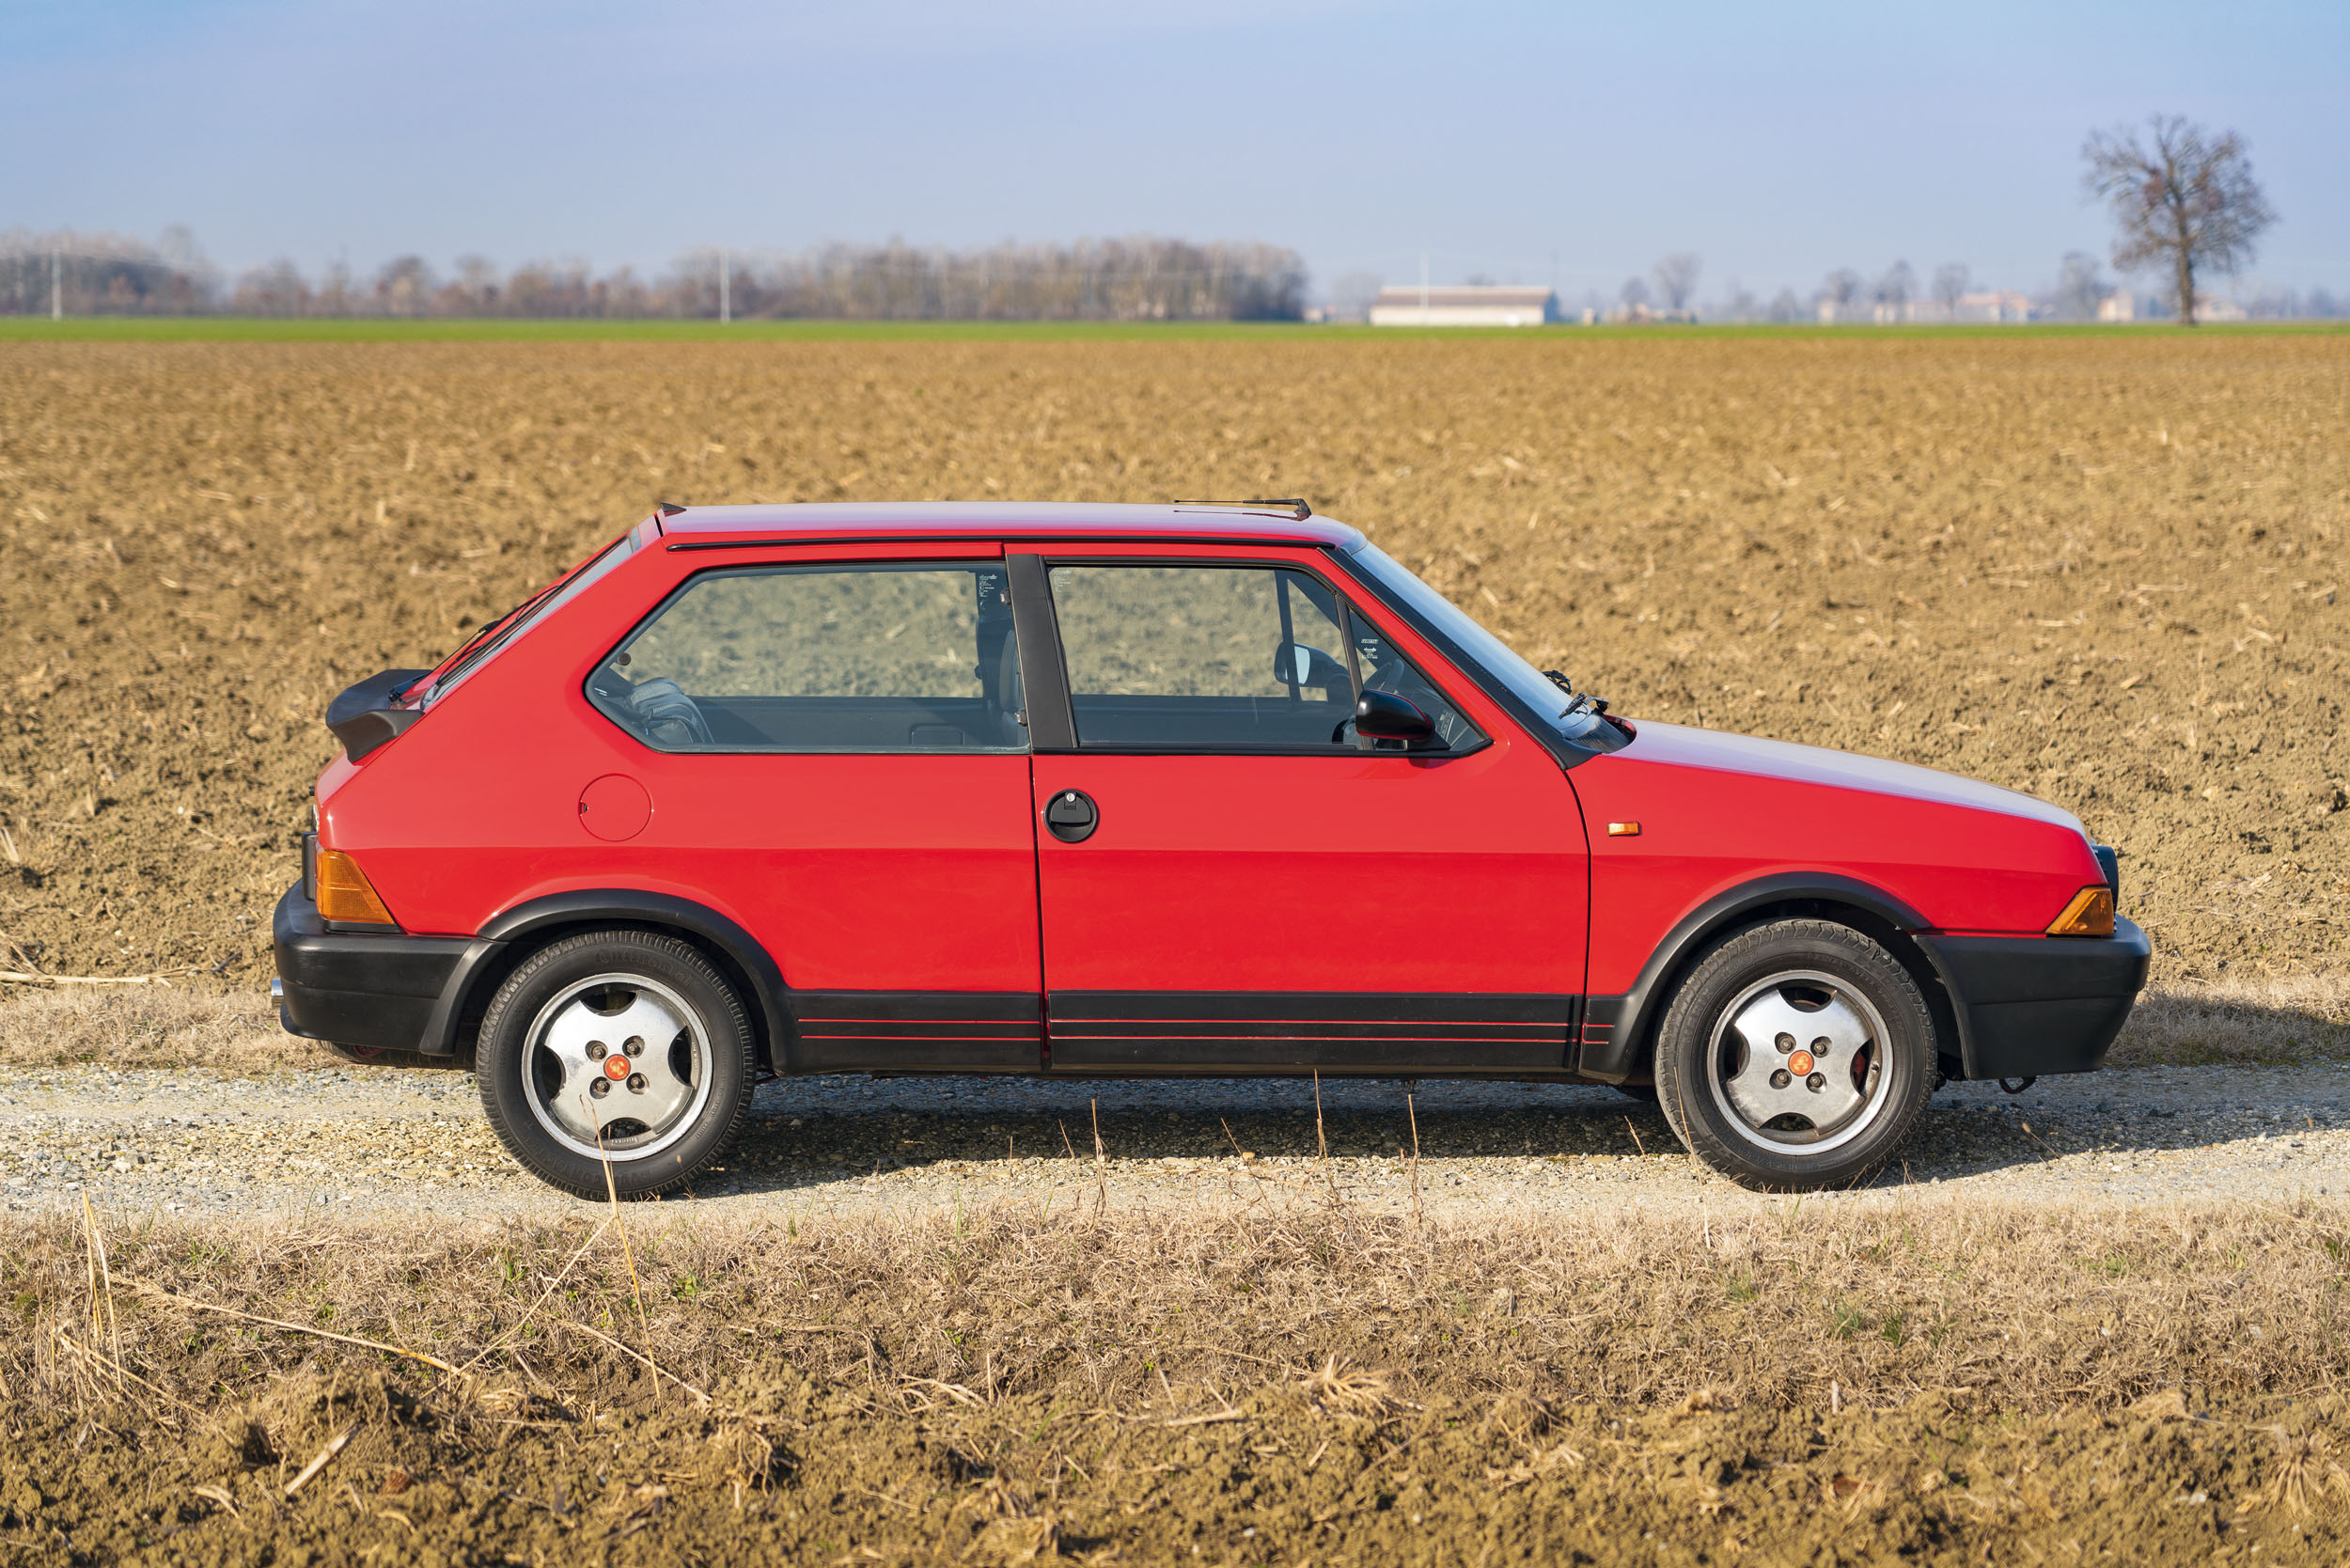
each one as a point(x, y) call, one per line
point(1208, 658)
point(883, 656)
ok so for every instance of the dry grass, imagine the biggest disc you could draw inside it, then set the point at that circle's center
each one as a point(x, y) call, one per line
point(1029, 1387)
point(2281, 1018)
point(148, 1026)
point(2021, 1311)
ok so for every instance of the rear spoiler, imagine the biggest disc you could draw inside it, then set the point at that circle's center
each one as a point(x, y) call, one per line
point(363, 717)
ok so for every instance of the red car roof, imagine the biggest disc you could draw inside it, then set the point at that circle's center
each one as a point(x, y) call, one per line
point(713, 526)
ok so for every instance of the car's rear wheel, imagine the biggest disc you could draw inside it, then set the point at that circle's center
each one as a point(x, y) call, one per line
point(1796, 1055)
point(619, 1048)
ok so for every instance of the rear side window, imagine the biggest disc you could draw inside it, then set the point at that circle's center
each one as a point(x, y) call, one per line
point(883, 656)
point(1222, 658)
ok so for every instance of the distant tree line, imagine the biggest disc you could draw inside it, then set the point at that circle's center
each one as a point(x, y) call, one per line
point(1132, 279)
point(1896, 295)
point(90, 274)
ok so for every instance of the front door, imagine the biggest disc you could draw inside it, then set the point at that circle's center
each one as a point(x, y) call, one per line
point(1231, 880)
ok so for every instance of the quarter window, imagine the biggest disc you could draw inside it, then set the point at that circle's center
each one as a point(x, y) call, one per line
point(1222, 658)
point(867, 657)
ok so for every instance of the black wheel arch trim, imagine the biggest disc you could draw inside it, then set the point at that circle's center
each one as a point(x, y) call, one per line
point(607, 906)
point(1615, 1036)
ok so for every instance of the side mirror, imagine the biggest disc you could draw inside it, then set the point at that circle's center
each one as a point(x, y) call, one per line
point(1385, 716)
point(1294, 664)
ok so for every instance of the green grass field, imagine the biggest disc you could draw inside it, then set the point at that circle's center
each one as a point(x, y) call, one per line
point(241, 329)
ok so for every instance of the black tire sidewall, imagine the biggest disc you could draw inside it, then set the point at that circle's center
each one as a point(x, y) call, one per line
point(1684, 1044)
point(697, 982)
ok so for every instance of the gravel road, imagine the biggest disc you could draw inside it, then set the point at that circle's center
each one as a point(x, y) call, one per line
point(351, 1142)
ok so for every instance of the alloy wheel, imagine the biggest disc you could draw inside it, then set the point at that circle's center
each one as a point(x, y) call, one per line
point(617, 1066)
point(1798, 1062)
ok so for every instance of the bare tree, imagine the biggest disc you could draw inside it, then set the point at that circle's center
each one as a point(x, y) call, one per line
point(404, 287)
point(335, 293)
point(1634, 295)
point(1677, 280)
point(277, 289)
point(2079, 291)
point(1894, 289)
point(476, 291)
point(2183, 199)
point(1837, 290)
point(1950, 286)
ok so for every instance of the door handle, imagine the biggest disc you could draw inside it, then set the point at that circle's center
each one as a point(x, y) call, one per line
point(1071, 816)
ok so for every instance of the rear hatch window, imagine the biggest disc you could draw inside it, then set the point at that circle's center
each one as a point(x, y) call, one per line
point(517, 622)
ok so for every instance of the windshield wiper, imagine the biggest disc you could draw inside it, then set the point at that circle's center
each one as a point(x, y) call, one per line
point(1579, 702)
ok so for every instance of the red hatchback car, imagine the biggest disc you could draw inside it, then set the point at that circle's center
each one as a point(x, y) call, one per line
point(1118, 790)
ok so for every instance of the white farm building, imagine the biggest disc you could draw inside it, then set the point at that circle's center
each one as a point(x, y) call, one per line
point(1472, 306)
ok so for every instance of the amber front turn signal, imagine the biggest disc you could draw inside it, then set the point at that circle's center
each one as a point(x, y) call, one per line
point(2089, 914)
point(344, 894)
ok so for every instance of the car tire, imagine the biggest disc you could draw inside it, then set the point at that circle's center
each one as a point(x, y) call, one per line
point(1808, 994)
point(619, 1050)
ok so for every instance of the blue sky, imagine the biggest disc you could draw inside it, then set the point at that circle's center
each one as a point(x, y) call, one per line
point(1777, 142)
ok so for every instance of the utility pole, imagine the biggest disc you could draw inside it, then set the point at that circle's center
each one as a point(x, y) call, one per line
point(57, 283)
point(1423, 288)
point(726, 286)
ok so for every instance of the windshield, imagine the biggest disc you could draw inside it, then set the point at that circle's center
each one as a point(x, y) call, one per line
point(1573, 717)
point(533, 610)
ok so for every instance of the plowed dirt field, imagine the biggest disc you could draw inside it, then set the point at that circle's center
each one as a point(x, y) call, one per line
point(2108, 569)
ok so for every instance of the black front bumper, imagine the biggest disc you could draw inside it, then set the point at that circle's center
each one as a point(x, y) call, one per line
point(2029, 1005)
point(387, 990)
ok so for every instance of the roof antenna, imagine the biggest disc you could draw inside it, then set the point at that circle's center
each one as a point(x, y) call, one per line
point(667, 508)
point(1296, 506)
point(1292, 503)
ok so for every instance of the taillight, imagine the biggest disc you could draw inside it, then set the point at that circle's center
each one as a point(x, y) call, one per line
point(2089, 914)
point(345, 895)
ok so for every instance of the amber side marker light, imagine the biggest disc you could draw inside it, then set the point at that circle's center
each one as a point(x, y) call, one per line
point(344, 894)
point(2089, 914)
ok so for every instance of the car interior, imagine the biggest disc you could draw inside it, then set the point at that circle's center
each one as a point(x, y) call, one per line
point(802, 660)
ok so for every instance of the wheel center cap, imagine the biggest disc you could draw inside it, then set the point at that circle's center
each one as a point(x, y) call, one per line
point(1800, 1064)
point(615, 1067)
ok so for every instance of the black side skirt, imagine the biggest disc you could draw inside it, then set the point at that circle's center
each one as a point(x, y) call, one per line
point(914, 1031)
point(1385, 1033)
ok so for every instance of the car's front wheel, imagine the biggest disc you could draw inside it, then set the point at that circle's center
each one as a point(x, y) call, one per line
point(619, 1048)
point(1796, 1055)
